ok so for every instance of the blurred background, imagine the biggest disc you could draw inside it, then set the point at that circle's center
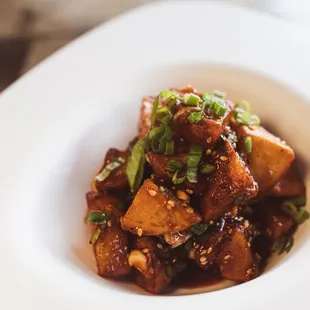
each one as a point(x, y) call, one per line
point(31, 30)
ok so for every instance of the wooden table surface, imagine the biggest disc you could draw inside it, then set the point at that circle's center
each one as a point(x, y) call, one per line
point(31, 30)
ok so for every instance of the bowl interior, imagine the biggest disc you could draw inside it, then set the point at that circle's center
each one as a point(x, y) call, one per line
point(109, 119)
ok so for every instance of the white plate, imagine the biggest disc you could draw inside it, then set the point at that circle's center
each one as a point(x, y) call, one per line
point(57, 122)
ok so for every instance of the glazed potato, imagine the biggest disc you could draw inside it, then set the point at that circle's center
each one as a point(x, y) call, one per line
point(145, 116)
point(270, 157)
point(151, 270)
point(232, 180)
point(111, 252)
point(117, 179)
point(156, 211)
point(289, 185)
point(103, 202)
point(206, 132)
point(236, 259)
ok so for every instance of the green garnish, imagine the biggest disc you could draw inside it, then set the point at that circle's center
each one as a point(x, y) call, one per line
point(300, 215)
point(283, 244)
point(191, 99)
point(196, 117)
point(207, 169)
point(218, 109)
point(95, 236)
point(219, 93)
point(248, 144)
point(176, 180)
point(97, 217)
point(116, 163)
point(299, 201)
point(135, 165)
point(244, 106)
point(174, 165)
point(243, 114)
point(198, 229)
point(193, 160)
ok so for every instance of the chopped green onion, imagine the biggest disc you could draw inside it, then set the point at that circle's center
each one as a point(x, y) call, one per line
point(219, 93)
point(163, 110)
point(207, 169)
point(299, 215)
point(169, 150)
point(116, 163)
point(97, 217)
point(174, 165)
point(198, 229)
point(218, 109)
point(176, 180)
point(283, 244)
point(248, 144)
point(155, 107)
point(195, 117)
point(299, 201)
point(244, 105)
point(191, 99)
point(135, 166)
point(205, 96)
point(238, 201)
point(166, 94)
point(169, 271)
point(246, 118)
point(95, 236)
point(193, 160)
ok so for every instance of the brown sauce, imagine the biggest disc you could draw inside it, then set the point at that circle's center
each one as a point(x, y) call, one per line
point(193, 277)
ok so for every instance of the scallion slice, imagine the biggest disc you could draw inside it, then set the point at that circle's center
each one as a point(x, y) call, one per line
point(300, 215)
point(248, 144)
point(116, 163)
point(283, 244)
point(193, 160)
point(207, 169)
point(176, 180)
point(219, 93)
point(97, 217)
point(198, 229)
point(244, 105)
point(174, 165)
point(191, 99)
point(135, 166)
point(95, 235)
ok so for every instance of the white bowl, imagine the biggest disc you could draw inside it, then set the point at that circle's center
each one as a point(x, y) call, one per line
point(57, 122)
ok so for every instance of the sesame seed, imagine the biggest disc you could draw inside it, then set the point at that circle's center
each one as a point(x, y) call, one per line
point(204, 263)
point(152, 192)
point(151, 270)
point(196, 246)
point(174, 260)
point(217, 224)
point(109, 223)
point(208, 151)
point(171, 203)
point(190, 210)
point(249, 244)
point(145, 250)
point(230, 231)
point(194, 243)
point(203, 252)
point(226, 257)
point(139, 232)
point(202, 259)
point(246, 224)
point(223, 158)
point(249, 272)
point(219, 239)
point(213, 153)
point(182, 195)
point(209, 250)
point(160, 246)
point(211, 222)
point(189, 191)
point(168, 207)
point(209, 140)
point(161, 188)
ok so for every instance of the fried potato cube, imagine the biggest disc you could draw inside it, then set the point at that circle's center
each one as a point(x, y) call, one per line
point(156, 211)
point(270, 157)
point(236, 260)
point(207, 131)
point(117, 179)
point(290, 184)
point(232, 180)
point(111, 252)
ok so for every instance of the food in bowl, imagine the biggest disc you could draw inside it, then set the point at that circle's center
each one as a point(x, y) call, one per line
point(203, 192)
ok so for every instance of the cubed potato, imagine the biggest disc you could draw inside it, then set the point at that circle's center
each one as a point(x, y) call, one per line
point(145, 116)
point(290, 184)
point(232, 180)
point(207, 131)
point(270, 157)
point(158, 162)
point(156, 211)
point(236, 259)
point(104, 202)
point(117, 179)
point(151, 270)
point(207, 254)
point(111, 252)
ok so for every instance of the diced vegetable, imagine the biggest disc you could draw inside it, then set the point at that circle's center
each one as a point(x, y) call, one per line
point(164, 213)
